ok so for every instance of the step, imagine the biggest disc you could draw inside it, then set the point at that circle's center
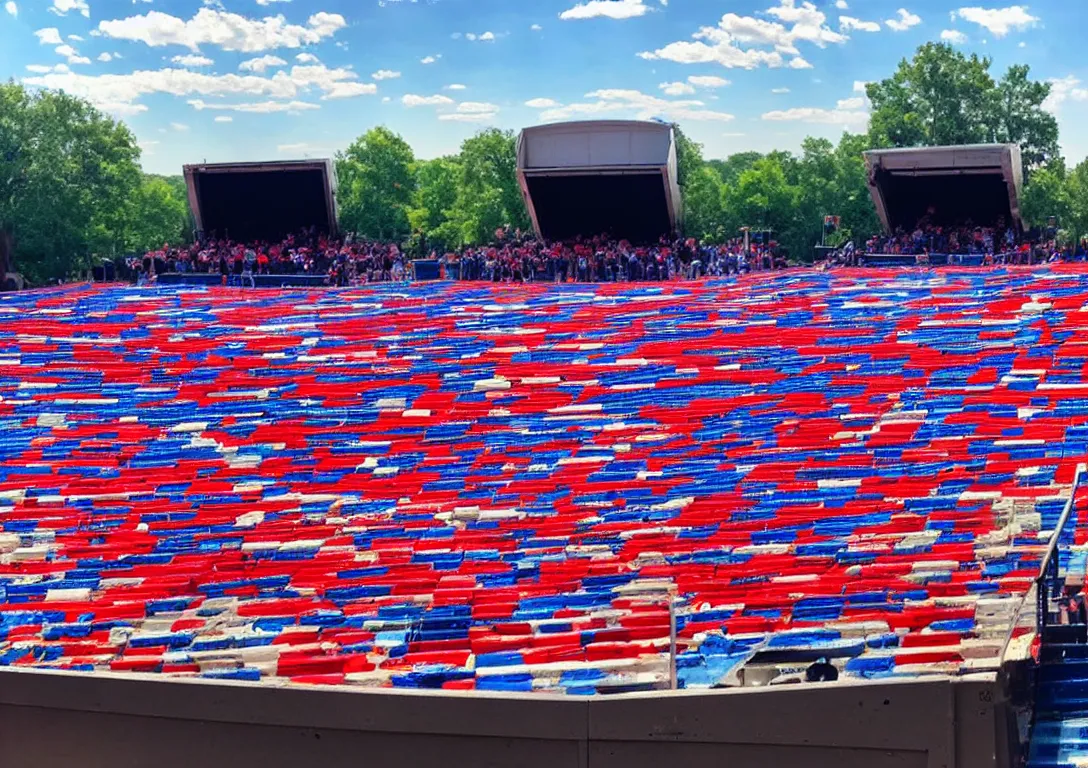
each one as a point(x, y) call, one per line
point(1065, 633)
point(1064, 671)
point(1064, 651)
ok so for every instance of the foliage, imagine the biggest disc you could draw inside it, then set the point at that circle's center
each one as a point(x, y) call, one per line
point(464, 199)
point(67, 176)
point(377, 182)
point(158, 214)
point(733, 166)
point(943, 97)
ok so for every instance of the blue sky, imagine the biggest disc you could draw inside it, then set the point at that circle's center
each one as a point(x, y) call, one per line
point(275, 79)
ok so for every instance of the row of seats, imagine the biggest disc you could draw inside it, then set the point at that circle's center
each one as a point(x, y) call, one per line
point(469, 486)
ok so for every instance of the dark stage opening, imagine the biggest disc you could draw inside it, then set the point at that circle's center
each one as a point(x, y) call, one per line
point(631, 207)
point(264, 205)
point(954, 199)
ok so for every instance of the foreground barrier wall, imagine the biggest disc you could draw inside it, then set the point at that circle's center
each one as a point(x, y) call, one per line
point(63, 719)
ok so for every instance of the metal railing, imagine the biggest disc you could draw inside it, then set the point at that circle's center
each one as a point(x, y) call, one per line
point(1047, 585)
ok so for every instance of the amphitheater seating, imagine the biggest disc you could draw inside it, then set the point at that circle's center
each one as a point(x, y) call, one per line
point(468, 486)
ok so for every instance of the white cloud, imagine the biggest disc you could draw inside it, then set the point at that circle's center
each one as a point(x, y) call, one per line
point(228, 31)
point(385, 74)
point(263, 107)
point(428, 60)
point(542, 103)
point(346, 90)
point(306, 58)
point(413, 100)
point(454, 87)
point(192, 60)
point(486, 37)
point(11, 8)
point(723, 43)
point(49, 36)
point(224, 119)
point(851, 118)
point(1064, 89)
point(854, 102)
point(61, 7)
point(780, 90)
point(179, 127)
point(120, 94)
point(677, 89)
point(848, 23)
point(860, 86)
point(638, 104)
point(301, 148)
point(472, 117)
point(998, 21)
point(259, 2)
point(708, 81)
point(842, 5)
point(536, 28)
point(42, 69)
point(71, 54)
point(476, 107)
point(75, 38)
point(953, 36)
point(609, 9)
point(905, 21)
point(261, 63)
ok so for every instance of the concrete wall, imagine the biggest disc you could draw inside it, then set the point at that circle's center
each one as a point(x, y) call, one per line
point(56, 719)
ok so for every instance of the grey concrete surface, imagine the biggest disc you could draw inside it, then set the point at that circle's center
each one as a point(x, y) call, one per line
point(50, 719)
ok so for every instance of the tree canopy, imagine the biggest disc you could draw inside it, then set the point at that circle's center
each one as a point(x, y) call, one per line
point(71, 187)
point(942, 96)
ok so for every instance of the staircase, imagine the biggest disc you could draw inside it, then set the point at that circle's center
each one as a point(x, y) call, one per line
point(1060, 735)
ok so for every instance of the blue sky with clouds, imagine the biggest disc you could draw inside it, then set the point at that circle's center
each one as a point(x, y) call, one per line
point(271, 79)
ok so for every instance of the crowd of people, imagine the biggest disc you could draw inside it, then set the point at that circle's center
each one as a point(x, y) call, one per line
point(523, 258)
point(966, 239)
point(310, 252)
point(516, 257)
point(513, 256)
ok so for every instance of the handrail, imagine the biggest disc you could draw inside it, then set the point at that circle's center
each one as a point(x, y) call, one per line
point(1048, 569)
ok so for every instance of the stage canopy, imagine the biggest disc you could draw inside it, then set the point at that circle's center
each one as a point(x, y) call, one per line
point(610, 176)
point(262, 201)
point(979, 183)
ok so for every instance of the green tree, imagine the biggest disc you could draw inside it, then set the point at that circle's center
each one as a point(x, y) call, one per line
point(437, 182)
point(733, 166)
point(67, 174)
point(764, 198)
point(943, 97)
point(703, 214)
point(1019, 117)
point(939, 97)
point(1047, 194)
point(689, 156)
point(1077, 190)
point(854, 203)
point(489, 196)
point(158, 214)
point(377, 184)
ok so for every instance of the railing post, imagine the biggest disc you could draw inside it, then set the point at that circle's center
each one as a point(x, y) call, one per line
point(672, 643)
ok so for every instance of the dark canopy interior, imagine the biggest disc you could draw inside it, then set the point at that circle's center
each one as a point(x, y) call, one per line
point(630, 206)
point(262, 205)
point(955, 200)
